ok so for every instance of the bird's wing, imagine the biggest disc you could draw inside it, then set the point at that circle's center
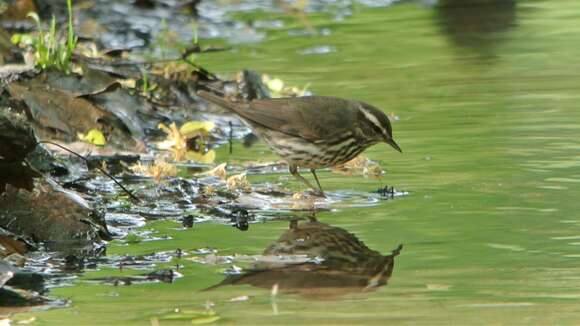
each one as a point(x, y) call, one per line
point(307, 117)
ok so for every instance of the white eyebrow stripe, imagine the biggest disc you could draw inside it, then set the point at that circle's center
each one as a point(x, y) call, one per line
point(372, 118)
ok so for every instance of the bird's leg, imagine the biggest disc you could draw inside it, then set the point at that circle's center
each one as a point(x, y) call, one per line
point(317, 182)
point(294, 171)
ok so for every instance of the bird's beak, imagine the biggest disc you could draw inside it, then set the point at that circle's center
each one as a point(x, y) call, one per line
point(391, 142)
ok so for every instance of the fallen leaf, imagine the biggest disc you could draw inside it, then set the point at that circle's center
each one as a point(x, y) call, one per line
point(194, 128)
point(157, 170)
point(94, 136)
point(191, 134)
point(219, 171)
point(239, 182)
point(277, 87)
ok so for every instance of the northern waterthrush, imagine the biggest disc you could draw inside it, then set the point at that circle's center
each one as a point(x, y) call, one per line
point(312, 131)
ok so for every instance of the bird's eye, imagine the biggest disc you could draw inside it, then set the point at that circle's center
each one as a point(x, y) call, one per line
point(377, 129)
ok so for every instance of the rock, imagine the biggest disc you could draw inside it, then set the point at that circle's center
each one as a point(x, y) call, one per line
point(35, 206)
point(50, 213)
point(16, 137)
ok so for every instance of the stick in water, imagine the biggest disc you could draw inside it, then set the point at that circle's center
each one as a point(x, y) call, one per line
point(99, 168)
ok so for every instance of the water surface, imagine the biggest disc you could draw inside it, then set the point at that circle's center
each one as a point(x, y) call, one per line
point(486, 101)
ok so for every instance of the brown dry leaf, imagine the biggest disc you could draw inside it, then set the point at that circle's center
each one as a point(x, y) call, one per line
point(239, 182)
point(208, 191)
point(175, 142)
point(219, 171)
point(177, 71)
point(157, 171)
point(359, 165)
point(178, 139)
point(60, 110)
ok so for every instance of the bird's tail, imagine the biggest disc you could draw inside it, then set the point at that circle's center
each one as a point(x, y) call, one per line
point(215, 99)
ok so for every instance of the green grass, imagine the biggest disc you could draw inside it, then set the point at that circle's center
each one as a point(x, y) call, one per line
point(49, 50)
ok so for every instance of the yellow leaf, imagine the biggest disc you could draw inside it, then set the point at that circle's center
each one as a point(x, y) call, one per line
point(276, 85)
point(206, 158)
point(196, 127)
point(94, 136)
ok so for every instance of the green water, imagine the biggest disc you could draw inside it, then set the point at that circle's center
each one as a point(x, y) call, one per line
point(488, 121)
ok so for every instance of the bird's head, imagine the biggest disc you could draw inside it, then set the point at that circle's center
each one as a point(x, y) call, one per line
point(377, 125)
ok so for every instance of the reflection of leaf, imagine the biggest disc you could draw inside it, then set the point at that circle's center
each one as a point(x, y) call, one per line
point(94, 136)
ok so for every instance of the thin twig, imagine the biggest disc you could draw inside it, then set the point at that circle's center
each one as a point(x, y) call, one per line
point(231, 137)
point(99, 168)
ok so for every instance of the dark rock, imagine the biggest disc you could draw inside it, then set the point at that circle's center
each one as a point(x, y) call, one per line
point(49, 213)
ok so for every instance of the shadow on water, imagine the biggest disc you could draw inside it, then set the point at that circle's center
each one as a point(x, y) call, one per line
point(334, 263)
point(476, 24)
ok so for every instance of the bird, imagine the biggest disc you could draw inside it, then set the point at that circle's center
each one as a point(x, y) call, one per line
point(311, 132)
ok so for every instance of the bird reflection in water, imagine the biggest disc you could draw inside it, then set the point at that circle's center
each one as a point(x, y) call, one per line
point(336, 263)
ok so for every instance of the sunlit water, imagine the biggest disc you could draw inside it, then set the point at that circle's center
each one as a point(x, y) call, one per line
point(487, 106)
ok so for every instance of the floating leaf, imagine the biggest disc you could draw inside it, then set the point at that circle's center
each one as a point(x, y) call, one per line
point(94, 136)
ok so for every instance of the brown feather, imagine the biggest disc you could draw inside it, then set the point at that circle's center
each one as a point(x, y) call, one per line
point(307, 117)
